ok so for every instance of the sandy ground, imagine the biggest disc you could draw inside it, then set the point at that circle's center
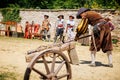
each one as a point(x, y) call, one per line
point(12, 57)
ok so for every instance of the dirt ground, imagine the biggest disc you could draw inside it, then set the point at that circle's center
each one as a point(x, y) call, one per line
point(12, 58)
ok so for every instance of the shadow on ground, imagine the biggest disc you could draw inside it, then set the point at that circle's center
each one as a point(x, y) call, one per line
point(98, 64)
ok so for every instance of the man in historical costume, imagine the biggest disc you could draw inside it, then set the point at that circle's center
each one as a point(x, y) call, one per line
point(35, 28)
point(70, 27)
point(19, 30)
point(46, 28)
point(27, 30)
point(101, 32)
point(59, 26)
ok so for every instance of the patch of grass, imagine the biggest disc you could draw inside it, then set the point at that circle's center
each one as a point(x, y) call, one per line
point(7, 76)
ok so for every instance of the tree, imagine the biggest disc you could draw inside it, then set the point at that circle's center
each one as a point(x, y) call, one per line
point(11, 14)
point(61, 4)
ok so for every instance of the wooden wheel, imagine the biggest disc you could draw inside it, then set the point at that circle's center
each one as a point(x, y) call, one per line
point(44, 67)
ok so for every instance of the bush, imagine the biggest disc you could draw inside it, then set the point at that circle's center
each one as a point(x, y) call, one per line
point(11, 14)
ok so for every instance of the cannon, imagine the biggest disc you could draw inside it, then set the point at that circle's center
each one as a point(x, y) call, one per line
point(48, 62)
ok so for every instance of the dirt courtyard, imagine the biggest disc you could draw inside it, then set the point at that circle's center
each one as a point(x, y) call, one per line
point(12, 59)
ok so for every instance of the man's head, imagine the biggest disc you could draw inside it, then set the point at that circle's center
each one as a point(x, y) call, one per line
point(32, 22)
point(46, 16)
point(71, 17)
point(81, 10)
point(27, 22)
point(61, 17)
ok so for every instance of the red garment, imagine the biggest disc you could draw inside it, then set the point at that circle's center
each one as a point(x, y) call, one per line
point(36, 28)
point(27, 31)
point(30, 32)
point(60, 25)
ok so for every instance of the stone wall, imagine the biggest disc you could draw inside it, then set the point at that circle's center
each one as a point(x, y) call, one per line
point(38, 15)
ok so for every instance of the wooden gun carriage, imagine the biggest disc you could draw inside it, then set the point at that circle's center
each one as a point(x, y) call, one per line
point(49, 62)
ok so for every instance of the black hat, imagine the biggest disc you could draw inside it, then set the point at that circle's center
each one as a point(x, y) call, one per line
point(61, 16)
point(71, 16)
point(81, 10)
point(46, 16)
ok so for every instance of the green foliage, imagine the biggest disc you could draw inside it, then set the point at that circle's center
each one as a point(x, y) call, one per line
point(10, 14)
point(61, 4)
point(114, 41)
point(7, 76)
point(95, 5)
point(14, 6)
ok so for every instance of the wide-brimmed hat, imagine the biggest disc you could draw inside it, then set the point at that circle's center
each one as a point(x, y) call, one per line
point(71, 16)
point(81, 10)
point(61, 16)
point(46, 16)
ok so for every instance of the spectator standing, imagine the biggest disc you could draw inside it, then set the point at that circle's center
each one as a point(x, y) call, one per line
point(19, 30)
point(60, 26)
point(27, 30)
point(46, 28)
point(70, 27)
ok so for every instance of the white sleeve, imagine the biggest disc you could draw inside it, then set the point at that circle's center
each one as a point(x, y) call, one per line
point(68, 22)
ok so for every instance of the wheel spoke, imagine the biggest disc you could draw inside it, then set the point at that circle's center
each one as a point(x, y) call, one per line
point(59, 67)
point(64, 75)
point(46, 66)
point(53, 63)
point(42, 74)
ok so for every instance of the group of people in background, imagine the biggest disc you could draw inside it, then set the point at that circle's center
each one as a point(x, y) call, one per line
point(61, 29)
point(31, 30)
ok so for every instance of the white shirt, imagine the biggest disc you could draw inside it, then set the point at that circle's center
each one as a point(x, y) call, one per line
point(71, 22)
point(60, 22)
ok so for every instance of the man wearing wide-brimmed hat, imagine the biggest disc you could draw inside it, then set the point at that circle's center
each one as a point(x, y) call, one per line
point(101, 32)
point(60, 25)
point(46, 28)
point(70, 27)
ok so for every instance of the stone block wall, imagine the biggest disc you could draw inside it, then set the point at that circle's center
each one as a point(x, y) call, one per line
point(38, 15)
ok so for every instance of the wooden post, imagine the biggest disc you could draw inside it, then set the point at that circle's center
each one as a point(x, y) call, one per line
point(73, 56)
point(7, 30)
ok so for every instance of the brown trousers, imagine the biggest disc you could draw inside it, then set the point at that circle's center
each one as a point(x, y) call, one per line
point(104, 41)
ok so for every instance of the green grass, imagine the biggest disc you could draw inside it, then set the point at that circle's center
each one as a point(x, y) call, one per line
point(7, 74)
